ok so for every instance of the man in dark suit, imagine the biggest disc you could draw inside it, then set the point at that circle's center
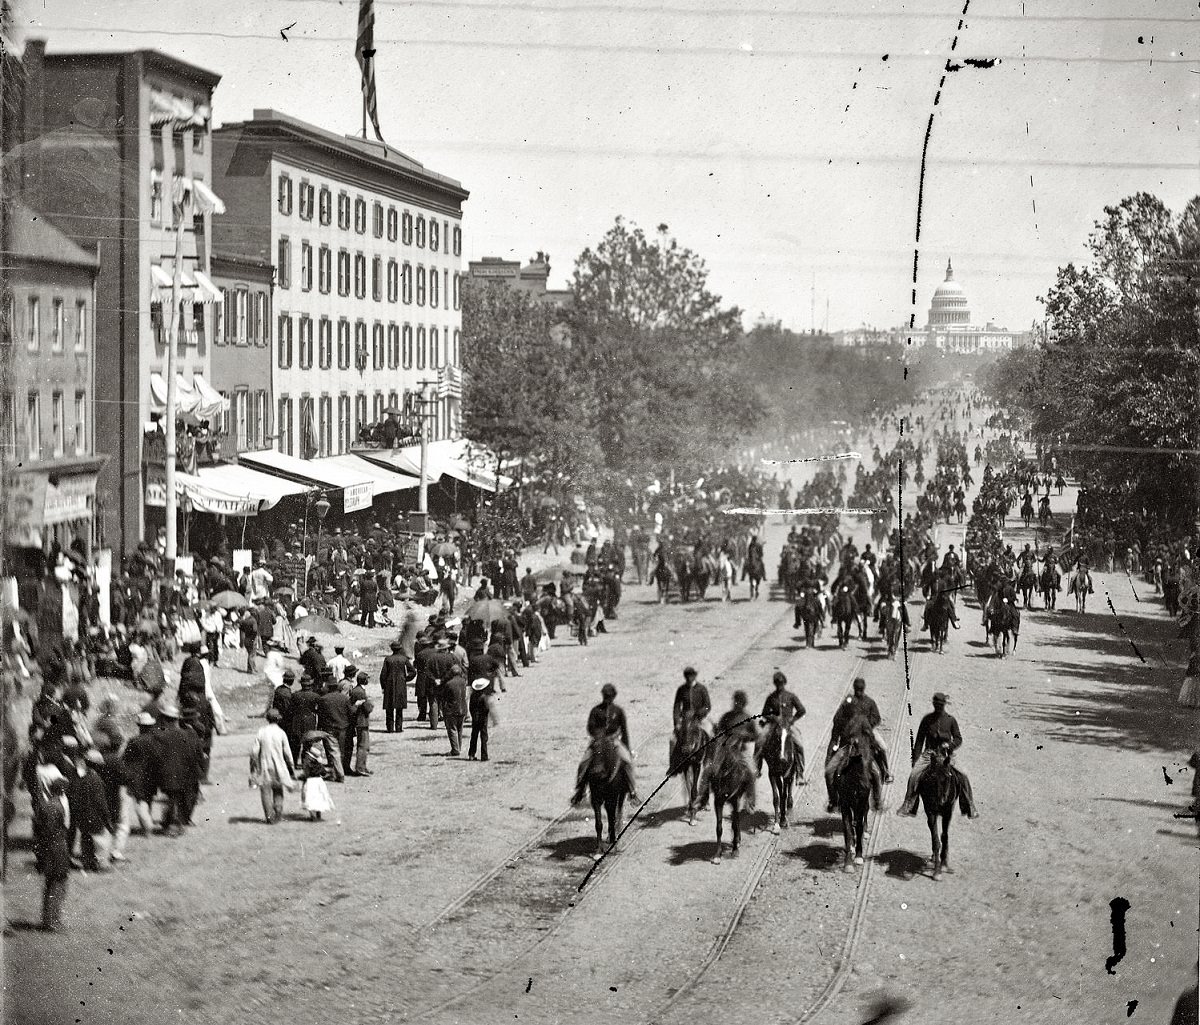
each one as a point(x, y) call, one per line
point(53, 853)
point(360, 722)
point(312, 659)
point(426, 682)
point(333, 717)
point(180, 752)
point(397, 670)
point(607, 719)
point(191, 673)
point(281, 700)
point(451, 677)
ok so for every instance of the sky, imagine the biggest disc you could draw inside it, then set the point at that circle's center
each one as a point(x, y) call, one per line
point(781, 142)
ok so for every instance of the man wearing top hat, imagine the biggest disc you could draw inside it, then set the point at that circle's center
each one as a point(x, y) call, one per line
point(394, 675)
point(312, 658)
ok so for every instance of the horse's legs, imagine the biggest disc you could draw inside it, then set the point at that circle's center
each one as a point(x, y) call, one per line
point(735, 819)
point(596, 806)
point(847, 837)
point(946, 817)
point(719, 808)
point(931, 819)
point(611, 808)
point(860, 827)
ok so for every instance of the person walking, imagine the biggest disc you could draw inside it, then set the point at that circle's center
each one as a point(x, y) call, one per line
point(333, 717)
point(248, 633)
point(368, 599)
point(360, 716)
point(394, 675)
point(139, 771)
point(483, 691)
point(272, 770)
point(454, 707)
point(179, 764)
point(52, 817)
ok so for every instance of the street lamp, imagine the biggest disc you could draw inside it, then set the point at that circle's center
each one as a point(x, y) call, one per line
point(321, 508)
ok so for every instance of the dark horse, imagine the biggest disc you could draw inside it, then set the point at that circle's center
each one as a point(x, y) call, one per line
point(731, 778)
point(852, 785)
point(609, 787)
point(755, 569)
point(938, 791)
point(890, 624)
point(1003, 621)
point(785, 766)
point(808, 613)
point(661, 574)
point(938, 616)
point(1026, 583)
point(1049, 584)
point(687, 754)
point(845, 613)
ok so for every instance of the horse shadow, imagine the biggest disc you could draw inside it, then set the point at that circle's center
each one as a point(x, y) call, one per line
point(698, 850)
point(902, 864)
point(570, 848)
point(655, 819)
point(827, 826)
point(818, 856)
point(790, 649)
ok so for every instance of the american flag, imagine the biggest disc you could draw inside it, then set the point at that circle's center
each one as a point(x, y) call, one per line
point(450, 383)
point(364, 51)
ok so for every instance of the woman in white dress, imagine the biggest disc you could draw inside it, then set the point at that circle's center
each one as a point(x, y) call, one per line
point(314, 797)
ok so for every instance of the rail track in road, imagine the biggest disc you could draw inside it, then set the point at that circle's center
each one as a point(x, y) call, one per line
point(501, 883)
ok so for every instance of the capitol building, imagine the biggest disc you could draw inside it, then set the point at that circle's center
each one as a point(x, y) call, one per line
point(948, 327)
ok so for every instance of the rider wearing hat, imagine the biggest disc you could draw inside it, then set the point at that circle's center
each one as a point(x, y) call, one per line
point(856, 709)
point(937, 727)
point(781, 703)
point(691, 698)
point(607, 719)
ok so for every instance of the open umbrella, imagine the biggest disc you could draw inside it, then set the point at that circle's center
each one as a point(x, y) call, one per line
point(461, 523)
point(444, 548)
point(284, 591)
point(548, 502)
point(314, 624)
point(392, 411)
point(230, 600)
point(486, 611)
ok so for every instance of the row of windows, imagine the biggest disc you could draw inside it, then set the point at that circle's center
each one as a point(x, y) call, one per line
point(392, 280)
point(246, 419)
point(190, 331)
point(352, 415)
point(242, 318)
point(385, 222)
point(391, 345)
point(64, 328)
point(63, 437)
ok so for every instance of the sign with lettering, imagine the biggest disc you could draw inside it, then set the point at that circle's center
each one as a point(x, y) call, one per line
point(358, 496)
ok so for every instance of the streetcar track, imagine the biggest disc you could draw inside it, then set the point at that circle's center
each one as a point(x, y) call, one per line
point(599, 872)
point(750, 887)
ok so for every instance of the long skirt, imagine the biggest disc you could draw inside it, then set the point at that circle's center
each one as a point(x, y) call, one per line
point(1189, 693)
point(315, 795)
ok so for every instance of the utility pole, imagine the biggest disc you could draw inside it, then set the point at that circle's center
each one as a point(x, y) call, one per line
point(179, 203)
point(423, 492)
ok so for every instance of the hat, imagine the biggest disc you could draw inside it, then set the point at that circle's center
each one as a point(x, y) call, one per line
point(362, 678)
point(289, 676)
point(339, 648)
point(608, 691)
point(397, 645)
point(860, 683)
point(145, 719)
point(442, 643)
point(350, 672)
point(939, 698)
point(311, 641)
point(689, 672)
point(779, 679)
point(168, 711)
point(453, 623)
point(739, 699)
point(481, 684)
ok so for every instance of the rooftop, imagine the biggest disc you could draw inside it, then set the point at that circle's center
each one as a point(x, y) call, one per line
point(373, 152)
point(34, 237)
point(151, 58)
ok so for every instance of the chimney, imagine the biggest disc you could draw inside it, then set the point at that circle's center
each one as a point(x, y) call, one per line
point(33, 101)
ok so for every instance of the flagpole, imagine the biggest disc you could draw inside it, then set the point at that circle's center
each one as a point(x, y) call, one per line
point(364, 117)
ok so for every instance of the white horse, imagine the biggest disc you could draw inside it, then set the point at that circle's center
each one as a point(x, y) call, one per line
point(725, 575)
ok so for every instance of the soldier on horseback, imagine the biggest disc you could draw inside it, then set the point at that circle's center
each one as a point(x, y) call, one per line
point(937, 727)
point(782, 703)
point(691, 698)
point(858, 706)
point(606, 719)
point(736, 728)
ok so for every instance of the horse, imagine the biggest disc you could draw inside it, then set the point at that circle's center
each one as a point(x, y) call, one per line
point(808, 613)
point(725, 576)
point(938, 616)
point(1081, 587)
point(1026, 583)
point(555, 612)
point(687, 754)
point(928, 577)
point(785, 765)
point(845, 613)
point(1027, 511)
point(852, 785)
point(609, 787)
point(1049, 584)
point(1171, 596)
point(682, 565)
point(1004, 619)
point(583, 615)
point(1044, 515)
point(730, 779)
point(754, 569)
point(702, 568)
point(938, 791)
point(662, 574)
point(890, 624)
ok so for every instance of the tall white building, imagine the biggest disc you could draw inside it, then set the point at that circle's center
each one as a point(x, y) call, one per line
point(367, 245)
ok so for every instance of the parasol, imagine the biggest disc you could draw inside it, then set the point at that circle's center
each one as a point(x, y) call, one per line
point(461, 523)
point(284, 590)
point(230, 600)
point(443, 549)
point(486, 611)
point(315, 624)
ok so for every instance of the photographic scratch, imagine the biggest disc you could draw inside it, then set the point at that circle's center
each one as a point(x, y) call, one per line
point(1120, 906)
point(285, 29)
point(973, 62)
point(1121, 627)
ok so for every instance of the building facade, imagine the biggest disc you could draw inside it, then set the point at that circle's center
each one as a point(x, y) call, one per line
point(531, 278)
point(367, 246)
point(50, 317)
point(110, 140)
point(241, 355)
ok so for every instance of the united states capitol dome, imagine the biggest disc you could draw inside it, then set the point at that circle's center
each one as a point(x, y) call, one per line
point(949, 307)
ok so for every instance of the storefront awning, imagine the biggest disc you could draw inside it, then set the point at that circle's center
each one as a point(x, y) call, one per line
point(194, 286)
point(356, 485)
point(195, 400)
point(402, 461)
point(386, 481)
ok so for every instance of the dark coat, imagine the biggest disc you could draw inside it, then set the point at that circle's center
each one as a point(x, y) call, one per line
point(312, 660)
point(191, 675)
point(608, 719)
point(282, 700)
point(141, 766)
point(397, 670)
point(368, 594)
point(304, 712)
point(361, 714)
point(51, 834)
point(454, 696)
point(693, 697)
point(180, 752)
point(333, 712)
point(88, 799)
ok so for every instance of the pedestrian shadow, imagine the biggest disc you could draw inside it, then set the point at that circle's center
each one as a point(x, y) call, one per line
point(901, 864)
point(25, 926)
point(818, 856)
point(699, 850)
point(790, 649)
point(246, 820)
